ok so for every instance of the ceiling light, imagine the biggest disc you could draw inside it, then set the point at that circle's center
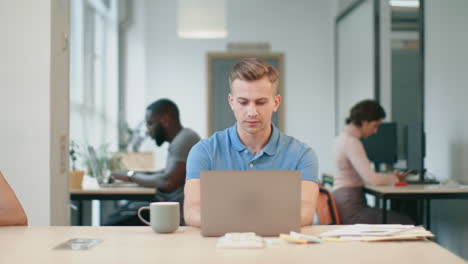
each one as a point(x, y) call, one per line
point(403, 3)
point(201, 19)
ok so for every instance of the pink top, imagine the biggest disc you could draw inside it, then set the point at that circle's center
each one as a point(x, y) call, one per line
point(353, 166)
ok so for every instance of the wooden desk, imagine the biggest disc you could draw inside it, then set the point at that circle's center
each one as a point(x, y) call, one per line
point(141, 245)
point(423, 192)
point(110, 193)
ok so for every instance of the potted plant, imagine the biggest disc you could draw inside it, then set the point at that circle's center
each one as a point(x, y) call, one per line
point(76, 176)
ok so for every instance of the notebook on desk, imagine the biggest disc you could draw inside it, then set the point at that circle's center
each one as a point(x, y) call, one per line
point(265, 202)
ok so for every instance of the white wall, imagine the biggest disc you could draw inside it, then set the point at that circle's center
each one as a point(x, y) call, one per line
point(301, 29)
point(385, 58)
point(446, 93)
point(33, 102)
point(133, 48)
point(355, 50)
point(341, 5)
point(356, 71)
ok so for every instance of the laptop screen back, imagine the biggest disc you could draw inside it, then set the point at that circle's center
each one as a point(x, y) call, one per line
point(265, 202)
point(94, 164)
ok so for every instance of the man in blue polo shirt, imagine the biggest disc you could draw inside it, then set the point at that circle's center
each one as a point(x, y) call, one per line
point(253, 143)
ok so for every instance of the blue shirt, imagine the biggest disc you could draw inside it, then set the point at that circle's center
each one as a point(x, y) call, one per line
point(225, 151)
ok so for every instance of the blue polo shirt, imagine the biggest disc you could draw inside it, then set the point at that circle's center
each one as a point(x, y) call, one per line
point(225, 151)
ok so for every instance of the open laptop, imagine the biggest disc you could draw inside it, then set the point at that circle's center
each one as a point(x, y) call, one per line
point(96, 169)
point(98, 172)
point(265, 202)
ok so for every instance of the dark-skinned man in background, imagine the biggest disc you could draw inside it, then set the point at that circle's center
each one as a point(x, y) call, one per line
point(163, 124)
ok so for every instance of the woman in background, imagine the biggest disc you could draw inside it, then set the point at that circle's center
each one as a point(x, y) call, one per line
point(11, 211)
point(353, 168)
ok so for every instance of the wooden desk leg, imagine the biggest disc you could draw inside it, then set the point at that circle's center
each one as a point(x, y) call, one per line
point(384, 211)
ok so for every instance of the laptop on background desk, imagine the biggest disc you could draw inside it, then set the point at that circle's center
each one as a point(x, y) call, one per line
point(98, 173)
point(139, 162)
point(265, 202)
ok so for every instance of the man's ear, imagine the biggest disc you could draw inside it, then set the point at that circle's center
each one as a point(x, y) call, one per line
point(164, 120)
point(231, 101)
point(277, 101)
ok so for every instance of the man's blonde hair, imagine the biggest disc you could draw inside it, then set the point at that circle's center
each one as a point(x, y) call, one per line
point(253, 69)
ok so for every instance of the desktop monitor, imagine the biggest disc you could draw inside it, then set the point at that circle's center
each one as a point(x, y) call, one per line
point(382, 146)
point(415, 149)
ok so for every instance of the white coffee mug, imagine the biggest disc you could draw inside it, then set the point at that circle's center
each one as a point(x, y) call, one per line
point(164, 216)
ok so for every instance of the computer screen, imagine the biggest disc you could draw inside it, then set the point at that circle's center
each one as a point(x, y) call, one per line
point(382, 146)
point(96, 169)
point(415, 145)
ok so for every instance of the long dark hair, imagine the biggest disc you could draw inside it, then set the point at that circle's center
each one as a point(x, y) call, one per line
point(367, 110)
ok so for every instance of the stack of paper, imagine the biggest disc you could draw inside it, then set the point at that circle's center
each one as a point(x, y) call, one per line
point(363, 232)
point(299, 238)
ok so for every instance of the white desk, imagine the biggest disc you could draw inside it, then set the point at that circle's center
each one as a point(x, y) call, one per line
point(141, 245)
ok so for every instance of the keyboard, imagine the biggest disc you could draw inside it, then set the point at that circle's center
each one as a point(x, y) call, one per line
point(118, 185)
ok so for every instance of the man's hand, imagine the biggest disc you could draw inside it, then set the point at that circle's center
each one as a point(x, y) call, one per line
point(120, 175)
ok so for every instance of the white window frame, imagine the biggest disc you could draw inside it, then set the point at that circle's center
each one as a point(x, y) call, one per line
point(94, 73)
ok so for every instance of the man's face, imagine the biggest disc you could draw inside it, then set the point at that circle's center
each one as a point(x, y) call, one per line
point(253, 104)
point(155, 128)
point(370, 128)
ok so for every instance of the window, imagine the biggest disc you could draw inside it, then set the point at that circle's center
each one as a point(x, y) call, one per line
point(94, 72)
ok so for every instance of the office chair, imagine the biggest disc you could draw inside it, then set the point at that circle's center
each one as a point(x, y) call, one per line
point(327, 180)
point(326, 208)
